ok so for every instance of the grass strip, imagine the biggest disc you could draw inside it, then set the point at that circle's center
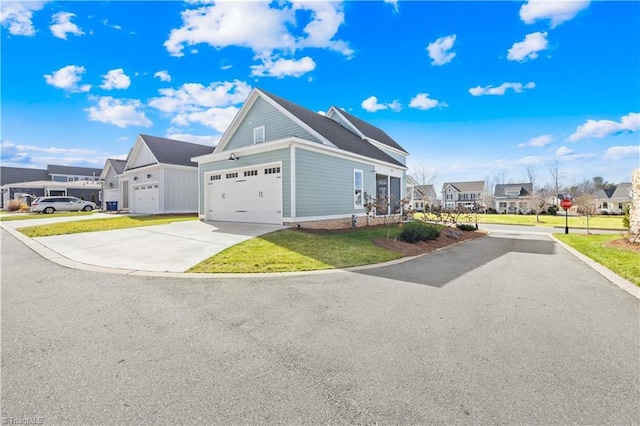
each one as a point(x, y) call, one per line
point(299, 250)
point(7, 217)
point(107, 224)
point(625, 263)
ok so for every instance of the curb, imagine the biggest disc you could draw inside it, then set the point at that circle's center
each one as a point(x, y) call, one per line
point(616, 279)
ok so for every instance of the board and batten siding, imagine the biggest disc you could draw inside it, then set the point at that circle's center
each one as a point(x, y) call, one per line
point(276, 124)
point(278, 155)
point(179, 191)
point(324, 184)
point(144, 157)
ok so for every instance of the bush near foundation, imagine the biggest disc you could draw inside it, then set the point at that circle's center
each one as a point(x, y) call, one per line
point(465, 227)
point(418, 231)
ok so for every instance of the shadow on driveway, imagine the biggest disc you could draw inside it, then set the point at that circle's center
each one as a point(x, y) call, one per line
point(438, 268)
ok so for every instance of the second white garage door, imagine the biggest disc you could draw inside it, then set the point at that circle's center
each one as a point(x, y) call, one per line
point(146, 198)
point(251, 194)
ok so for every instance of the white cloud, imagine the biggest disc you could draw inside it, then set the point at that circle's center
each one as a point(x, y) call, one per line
point(283, 67)
point(16, 16)
point(213, 106)
point(604, 128)
point(36, 156)
point(67, 78)
point(538, 141)
point(371, 104)
point(260, 27)
point(394, 3)
point(218, 119)
point(528, 48)
point(422, 101)
point(195, 97)
point(555, 11)
point(618, 152)
point(163, 75)
point(116, 79)
point(62, 25)
point(563, 151)
point(203, 140)
point(500, 90)
point(119, 112)
point(439, 50)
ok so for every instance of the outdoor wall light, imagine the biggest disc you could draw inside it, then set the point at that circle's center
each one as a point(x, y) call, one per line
point(233, 157)
point(135, 178)
point(149, 176)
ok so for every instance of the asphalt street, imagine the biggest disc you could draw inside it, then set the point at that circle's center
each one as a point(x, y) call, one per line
point(508, 329)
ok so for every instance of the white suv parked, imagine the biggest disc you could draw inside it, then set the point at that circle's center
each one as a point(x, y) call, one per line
point(52, 204)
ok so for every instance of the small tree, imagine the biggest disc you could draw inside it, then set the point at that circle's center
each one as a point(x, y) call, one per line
point(587, 206)
point(540, 201)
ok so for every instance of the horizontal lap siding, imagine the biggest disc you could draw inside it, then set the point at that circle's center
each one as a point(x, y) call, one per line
point(277, 126)
point(179, 191)
point(324, 184)
point(279, 155)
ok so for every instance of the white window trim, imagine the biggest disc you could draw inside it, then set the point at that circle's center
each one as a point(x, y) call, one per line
point(264, 134)
point(355, 204)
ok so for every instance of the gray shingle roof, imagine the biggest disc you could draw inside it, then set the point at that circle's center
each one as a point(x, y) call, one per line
point(335, 133)
point(20, 174)
point(72, 170)
point(472, 186)
point(370, 130)
point(622, 191)
point(117, 165)
point(170, 151)
point(526, 189)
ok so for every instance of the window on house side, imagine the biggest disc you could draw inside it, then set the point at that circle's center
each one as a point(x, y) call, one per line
point(258, 134)
point(357, 189)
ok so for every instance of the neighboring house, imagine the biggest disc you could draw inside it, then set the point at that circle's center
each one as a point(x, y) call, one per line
point(513, 198)
point(112, 186)
point(159, 176)
point(81, 182)
point(614, 200)
point(421, 197)
point(466, 195)
point(281, 163)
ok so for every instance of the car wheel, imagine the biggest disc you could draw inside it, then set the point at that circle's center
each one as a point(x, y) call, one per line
point(49, 210)
point(87, 209)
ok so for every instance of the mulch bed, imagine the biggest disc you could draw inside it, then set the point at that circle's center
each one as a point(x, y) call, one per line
point(624, 244)
point(447, 237)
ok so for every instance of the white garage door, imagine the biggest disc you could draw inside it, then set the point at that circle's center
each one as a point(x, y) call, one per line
point(146, 198)
point(245, 195)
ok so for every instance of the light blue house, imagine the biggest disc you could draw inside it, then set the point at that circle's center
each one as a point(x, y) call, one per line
point(281, 163)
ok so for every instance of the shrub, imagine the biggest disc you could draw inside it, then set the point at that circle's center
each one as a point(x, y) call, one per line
point(17, 205)
point(491, 210)
point(552, 210)
point(625, 219)
point(418, 231)
point(465, 227)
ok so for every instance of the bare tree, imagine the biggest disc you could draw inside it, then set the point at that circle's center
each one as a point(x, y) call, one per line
point(489, 184)
point(531, 174)
point(423, 174)
point(540, 201)
point(554, 170)
point(587, 206)
point(500, 177)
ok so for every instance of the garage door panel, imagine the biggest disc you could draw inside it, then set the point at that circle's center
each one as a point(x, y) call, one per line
point(254, 197)
point(146, 198)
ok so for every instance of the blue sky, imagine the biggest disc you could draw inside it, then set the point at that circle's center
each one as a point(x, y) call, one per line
point(473, 90)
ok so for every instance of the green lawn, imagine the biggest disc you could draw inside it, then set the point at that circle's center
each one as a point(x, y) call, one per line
point(294, 250)
point(5, 217)
point(625, 263)
point(596, 222)
point(106, 224)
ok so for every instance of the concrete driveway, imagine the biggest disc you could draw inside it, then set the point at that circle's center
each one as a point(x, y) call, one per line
point(173, 247)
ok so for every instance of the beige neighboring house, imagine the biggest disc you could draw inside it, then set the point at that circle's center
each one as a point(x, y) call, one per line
point(614, 201)
point(421, 197)
point(467, 195)
point(513, 198)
